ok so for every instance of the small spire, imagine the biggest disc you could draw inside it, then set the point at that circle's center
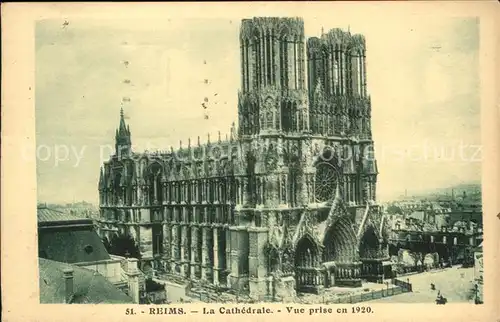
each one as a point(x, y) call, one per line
point(226, 137)
point(189, 142)
point(171, 149)
point(122, 129)
point(349, 28)
point(180, 144)
point(101, 175)
point(219, 136)
point(322, 31)
point(208, 138)
point(233, 131)
point(199, 141)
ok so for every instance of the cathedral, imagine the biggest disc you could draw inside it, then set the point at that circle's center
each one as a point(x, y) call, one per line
point(286, 203)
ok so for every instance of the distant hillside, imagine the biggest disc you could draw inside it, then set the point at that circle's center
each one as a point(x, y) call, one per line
point(472, 193)
point(467, 187)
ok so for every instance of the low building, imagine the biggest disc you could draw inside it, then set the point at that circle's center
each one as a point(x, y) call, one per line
point(427, 228)
point(450, 244)
point(71, 284)
point(478, 273)
point(68, 239)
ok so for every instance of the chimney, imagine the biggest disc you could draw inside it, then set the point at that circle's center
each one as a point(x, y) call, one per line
point(68, 285)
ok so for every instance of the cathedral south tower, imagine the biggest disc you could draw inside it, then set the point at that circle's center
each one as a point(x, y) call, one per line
point(273, 97)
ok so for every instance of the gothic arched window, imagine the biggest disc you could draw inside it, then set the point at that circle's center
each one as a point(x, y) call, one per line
point(336, 73)
point(269, 120)
point(360, 74)
point(294, 119)
point(301, 121)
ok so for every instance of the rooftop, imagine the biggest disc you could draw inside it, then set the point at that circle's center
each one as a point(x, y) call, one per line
point(89, 287)
point(70, 245)
point(68, 238)
point(49, 217)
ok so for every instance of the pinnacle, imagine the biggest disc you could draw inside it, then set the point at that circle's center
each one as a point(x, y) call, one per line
point(123, 129)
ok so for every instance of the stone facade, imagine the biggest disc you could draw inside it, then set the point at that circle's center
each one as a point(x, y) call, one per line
point(287, 202)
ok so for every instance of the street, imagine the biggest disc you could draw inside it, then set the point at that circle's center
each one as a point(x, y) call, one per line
point(455, 284)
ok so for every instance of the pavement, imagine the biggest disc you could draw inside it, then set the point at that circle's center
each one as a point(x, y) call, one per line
point(455, 284)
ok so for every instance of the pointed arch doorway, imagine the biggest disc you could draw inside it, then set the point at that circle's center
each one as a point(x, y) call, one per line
point(376, 265)
point(307, 260)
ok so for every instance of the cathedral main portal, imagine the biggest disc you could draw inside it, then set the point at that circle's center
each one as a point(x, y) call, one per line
point(333, 262)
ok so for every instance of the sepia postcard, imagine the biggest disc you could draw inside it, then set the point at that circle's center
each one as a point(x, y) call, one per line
point(250, 160)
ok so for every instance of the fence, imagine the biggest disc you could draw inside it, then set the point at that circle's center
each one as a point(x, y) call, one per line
point(404, 285)
point(368, 296)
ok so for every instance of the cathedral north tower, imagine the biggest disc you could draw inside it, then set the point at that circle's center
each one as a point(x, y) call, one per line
point(340, 105)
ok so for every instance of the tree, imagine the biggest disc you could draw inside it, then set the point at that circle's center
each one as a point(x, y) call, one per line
point(393, 210)
point(107, 244)
point(124, 245)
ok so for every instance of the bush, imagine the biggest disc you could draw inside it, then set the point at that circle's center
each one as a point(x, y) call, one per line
point(107, 245)
point(152, 286)
point(124, 245)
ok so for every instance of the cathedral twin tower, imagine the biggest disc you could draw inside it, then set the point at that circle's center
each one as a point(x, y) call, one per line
point(274, 96)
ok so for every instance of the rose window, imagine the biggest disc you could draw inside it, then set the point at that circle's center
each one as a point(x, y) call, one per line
point(326, 182)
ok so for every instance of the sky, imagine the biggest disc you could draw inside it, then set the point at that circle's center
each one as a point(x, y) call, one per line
point(423, 78)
